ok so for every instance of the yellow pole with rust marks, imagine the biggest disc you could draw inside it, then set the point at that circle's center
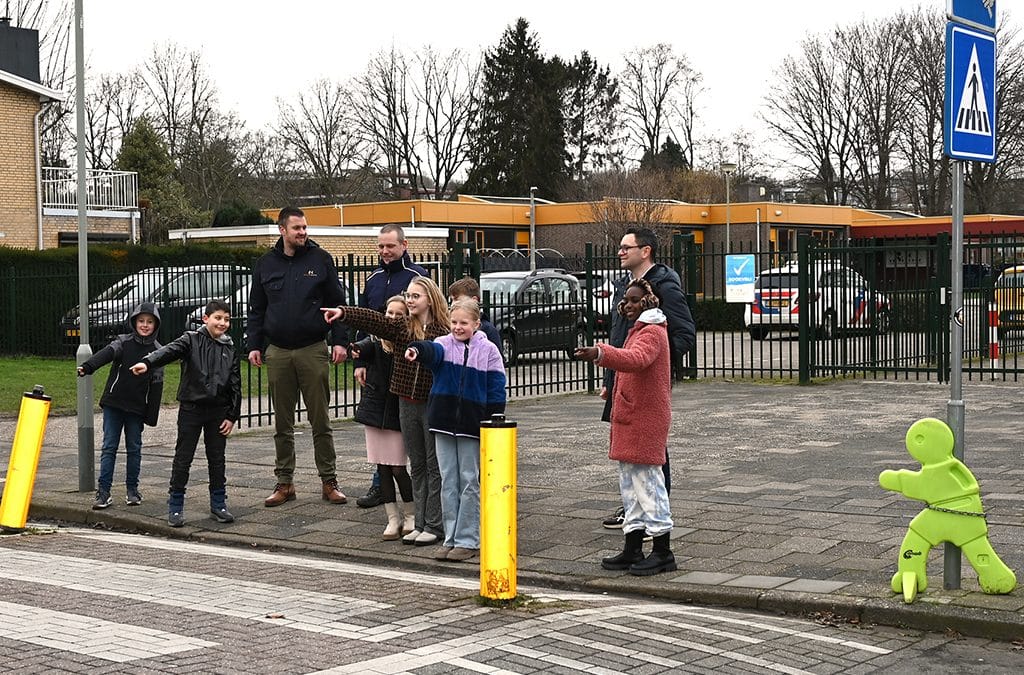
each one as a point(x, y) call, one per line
point(21, 470)
point(498, 533)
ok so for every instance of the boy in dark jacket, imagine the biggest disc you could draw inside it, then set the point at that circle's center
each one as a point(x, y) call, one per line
point(125, 401)
point(211, 399)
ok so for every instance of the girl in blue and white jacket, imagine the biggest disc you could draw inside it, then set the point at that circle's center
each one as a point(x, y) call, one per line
point(469, 387)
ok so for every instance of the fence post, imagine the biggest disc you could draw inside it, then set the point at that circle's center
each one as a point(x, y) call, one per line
point(805, 308)
point(943, 272)
point(588, 267)
point(687, 243)
point(10, 334)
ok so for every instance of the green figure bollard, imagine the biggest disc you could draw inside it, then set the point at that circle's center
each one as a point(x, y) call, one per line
point(953, 514)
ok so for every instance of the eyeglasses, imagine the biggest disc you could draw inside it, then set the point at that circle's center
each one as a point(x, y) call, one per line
point(624, 249)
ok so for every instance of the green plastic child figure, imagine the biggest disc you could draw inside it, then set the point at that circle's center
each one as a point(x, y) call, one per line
point(953, 514)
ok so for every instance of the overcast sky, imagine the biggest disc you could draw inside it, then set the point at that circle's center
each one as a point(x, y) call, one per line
point(257, 50)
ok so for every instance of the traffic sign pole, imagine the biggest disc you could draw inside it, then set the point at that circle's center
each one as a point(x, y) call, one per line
point(955, 406)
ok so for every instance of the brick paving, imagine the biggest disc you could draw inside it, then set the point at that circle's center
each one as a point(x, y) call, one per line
point(775, 498)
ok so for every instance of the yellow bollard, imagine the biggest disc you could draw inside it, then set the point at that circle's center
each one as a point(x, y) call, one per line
point(498, 535)
point(21, 470)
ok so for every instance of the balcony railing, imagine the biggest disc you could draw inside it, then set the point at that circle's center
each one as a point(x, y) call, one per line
point(105, 189)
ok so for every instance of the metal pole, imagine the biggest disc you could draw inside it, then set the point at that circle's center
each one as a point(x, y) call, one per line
point(86, 448)
point(955, 406)
point(533, 230)
point(728, 237)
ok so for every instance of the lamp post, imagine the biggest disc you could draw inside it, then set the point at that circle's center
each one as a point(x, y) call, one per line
point(533, 230)
point(728, 168)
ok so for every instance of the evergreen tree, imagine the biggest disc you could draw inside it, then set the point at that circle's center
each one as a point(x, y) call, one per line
point(518, 140)
point(143, 151)
point(591, 112)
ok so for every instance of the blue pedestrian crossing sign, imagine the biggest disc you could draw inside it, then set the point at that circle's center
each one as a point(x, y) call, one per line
point(970, 108)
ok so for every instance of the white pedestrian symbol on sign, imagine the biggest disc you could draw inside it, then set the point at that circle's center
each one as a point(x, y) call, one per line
point(972, 116)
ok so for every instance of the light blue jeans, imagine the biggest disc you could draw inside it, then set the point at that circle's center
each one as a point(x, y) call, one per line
point(458, 458)
point(115, 421)
point(644, 498)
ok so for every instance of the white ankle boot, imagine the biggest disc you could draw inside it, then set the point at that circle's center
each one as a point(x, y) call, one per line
point(409, 510)
point(394, 522)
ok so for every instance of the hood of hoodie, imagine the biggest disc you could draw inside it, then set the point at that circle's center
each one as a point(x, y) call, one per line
point(145, 308)
point(653, 316)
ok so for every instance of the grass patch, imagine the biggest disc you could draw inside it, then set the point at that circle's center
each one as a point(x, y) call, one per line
point(60, 383)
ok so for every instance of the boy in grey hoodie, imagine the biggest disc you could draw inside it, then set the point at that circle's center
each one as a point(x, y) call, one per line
point(126, 401)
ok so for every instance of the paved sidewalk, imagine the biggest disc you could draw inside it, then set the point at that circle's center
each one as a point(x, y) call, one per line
point(776, 498)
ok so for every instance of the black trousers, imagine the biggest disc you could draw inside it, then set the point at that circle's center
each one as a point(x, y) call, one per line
point(193, 419)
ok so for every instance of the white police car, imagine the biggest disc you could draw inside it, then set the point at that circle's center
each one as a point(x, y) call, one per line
point(841, 302)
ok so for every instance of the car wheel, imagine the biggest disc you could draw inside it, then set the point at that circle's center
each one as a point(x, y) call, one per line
point(758, 332)
point(883, 323)
point(579, 340)
point(828, 326)
point(509, 353)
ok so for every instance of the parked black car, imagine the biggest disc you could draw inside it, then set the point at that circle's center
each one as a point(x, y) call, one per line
point(177, 291)
point(535, 311)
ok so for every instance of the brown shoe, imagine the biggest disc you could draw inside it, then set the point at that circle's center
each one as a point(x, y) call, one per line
point(283, 492)
point(332, 493)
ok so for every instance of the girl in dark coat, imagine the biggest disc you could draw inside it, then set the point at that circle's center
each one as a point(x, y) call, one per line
point(378, 411)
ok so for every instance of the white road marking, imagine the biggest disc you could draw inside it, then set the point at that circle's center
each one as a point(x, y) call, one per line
point(538, 594)
point(89, 636)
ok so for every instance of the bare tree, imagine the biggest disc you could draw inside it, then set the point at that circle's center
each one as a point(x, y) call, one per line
point(388, 117)
point(113, 103)
point(53, 20)
point(876, 57)
point(996, 186)
point(812, 115)
point(446, 93)
point(619, 199)
point(925, 179)
point(322, 135)
point(183, 98)
point(652, 81)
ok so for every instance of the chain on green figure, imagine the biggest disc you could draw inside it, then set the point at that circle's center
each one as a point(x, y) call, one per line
point(944, 482)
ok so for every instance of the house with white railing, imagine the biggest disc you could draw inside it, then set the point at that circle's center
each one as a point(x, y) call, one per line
point(39, 205)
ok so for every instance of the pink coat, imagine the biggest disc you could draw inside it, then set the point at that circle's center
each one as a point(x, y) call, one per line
point(641, 396)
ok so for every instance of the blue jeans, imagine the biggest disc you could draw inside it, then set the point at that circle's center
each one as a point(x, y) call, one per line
point(115, 421)
point(458, 458)
point(644, 499)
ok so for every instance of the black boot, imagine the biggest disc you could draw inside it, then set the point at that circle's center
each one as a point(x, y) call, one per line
point(660, 559)
point(632, 552)
point(219, 506)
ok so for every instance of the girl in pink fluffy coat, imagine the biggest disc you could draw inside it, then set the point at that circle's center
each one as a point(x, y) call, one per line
point(640, 420)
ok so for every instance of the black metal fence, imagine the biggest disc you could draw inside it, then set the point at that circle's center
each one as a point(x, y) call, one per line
point(836, 310)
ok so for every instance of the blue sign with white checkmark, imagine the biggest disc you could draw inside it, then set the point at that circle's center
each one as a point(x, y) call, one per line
point(739, 278)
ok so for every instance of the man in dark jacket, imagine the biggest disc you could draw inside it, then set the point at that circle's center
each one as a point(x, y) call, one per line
point(285, 328)
point(392, 277)
point(636, 255)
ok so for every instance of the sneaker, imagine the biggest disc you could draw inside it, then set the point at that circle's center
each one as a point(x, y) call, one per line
point(102, 501)
point(459, 554)
point(614, 521)
point(175, 519)
point(370, 499)
point(221, 515)
point(133, 497)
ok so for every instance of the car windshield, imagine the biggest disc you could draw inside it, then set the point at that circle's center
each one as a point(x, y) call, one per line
point(499, 285)
point(777, 280)
point(136, 286)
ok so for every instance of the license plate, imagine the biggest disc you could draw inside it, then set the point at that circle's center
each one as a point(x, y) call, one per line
point(776, 303)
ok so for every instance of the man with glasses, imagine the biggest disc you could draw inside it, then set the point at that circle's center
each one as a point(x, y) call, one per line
point(636, 255)
point(392, 276)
